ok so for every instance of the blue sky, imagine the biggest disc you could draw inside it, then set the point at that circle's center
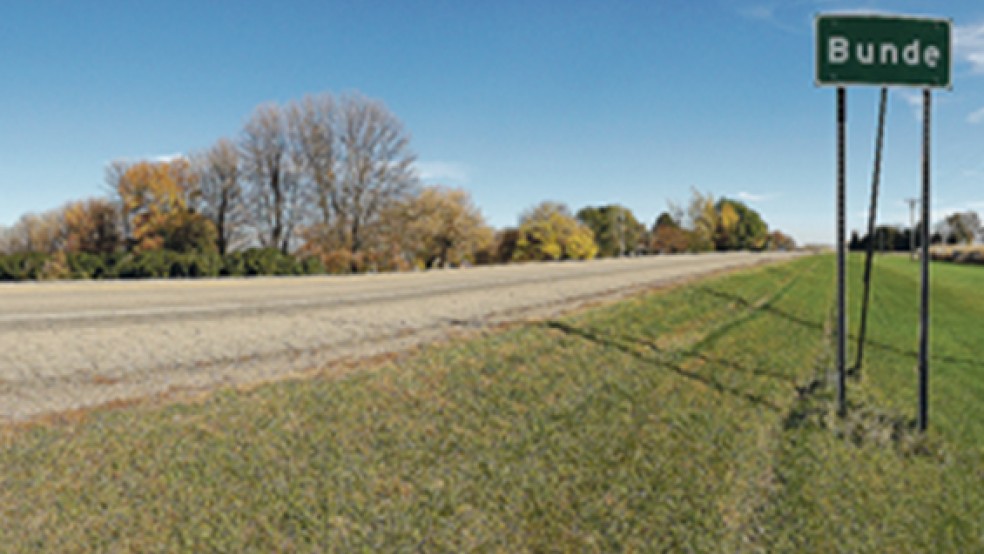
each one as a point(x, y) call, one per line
point(518, 101)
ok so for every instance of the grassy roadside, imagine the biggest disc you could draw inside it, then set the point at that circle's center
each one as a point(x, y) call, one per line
point(866, 483)
point(679, 421)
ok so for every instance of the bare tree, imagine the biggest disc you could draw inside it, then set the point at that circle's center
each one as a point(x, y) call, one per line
point(220, 192)
point(354, 163)
point(273, 191)
point(36, 233)
point(6, 240)
point(316, 150)
point(377, 167)
point(82, 226)
point(115, 172)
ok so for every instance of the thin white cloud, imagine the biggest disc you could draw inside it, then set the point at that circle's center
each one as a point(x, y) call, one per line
point(452, 172)
point(968, 42)
point(751, 197)
point(155, 159)
point(168, 158)
point(758, 12)
point(976, 117)
point(911, 98)
point(914, 100)
point(767, 13)
point(789, 16)
point(854, 10)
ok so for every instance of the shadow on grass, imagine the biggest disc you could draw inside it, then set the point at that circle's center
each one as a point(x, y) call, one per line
point(663, 360)
point(771, 310)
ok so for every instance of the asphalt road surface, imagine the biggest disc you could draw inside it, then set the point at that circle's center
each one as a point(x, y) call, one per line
point(71, 345)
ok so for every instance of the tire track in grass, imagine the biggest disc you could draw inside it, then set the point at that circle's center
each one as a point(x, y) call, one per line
point(692, 361)
point(752, 335)
point(753, 532)
point(746, 487)
point(686, 354)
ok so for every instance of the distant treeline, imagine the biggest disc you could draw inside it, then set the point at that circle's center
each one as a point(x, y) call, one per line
point(956, 228)
point(888, 239)
point(328, 184)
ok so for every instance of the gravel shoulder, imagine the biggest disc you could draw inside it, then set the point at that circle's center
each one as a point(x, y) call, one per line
point(73, 345)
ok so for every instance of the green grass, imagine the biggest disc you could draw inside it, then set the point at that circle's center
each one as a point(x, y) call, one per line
point(692, 419)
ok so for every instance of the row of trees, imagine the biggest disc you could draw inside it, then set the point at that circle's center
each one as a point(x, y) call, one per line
point(331, 183)
point(550, 232)
point(707, 224)
point(323, 176)
point(434, 226)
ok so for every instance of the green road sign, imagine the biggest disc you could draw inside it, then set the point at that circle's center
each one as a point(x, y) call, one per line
point(883, 50)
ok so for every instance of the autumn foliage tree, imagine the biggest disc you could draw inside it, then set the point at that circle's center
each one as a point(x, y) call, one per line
point(616, 229)
point(91, 227)
point(443, 226)
point(155, 197)
point(739, 227)
point(777, 240)
point(549, 232)
point(504, 245)
point(668, 237)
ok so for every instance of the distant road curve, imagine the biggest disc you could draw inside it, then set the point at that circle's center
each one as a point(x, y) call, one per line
point(70, 345)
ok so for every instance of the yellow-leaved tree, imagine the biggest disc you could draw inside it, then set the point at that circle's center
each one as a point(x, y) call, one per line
point(443, 226)
point(550, 232)
point(155, 198)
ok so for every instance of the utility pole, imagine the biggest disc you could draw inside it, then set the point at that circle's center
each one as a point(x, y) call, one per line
point(912, 226)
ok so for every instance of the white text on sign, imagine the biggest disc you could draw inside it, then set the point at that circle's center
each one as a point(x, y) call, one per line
point(886, 53)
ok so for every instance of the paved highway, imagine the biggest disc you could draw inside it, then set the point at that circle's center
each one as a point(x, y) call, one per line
point(71, 345)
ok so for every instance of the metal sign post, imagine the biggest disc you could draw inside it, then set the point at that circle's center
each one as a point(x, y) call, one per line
point(924, 270)
point(841, 255)
point(883, 50)
point(872, 212)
